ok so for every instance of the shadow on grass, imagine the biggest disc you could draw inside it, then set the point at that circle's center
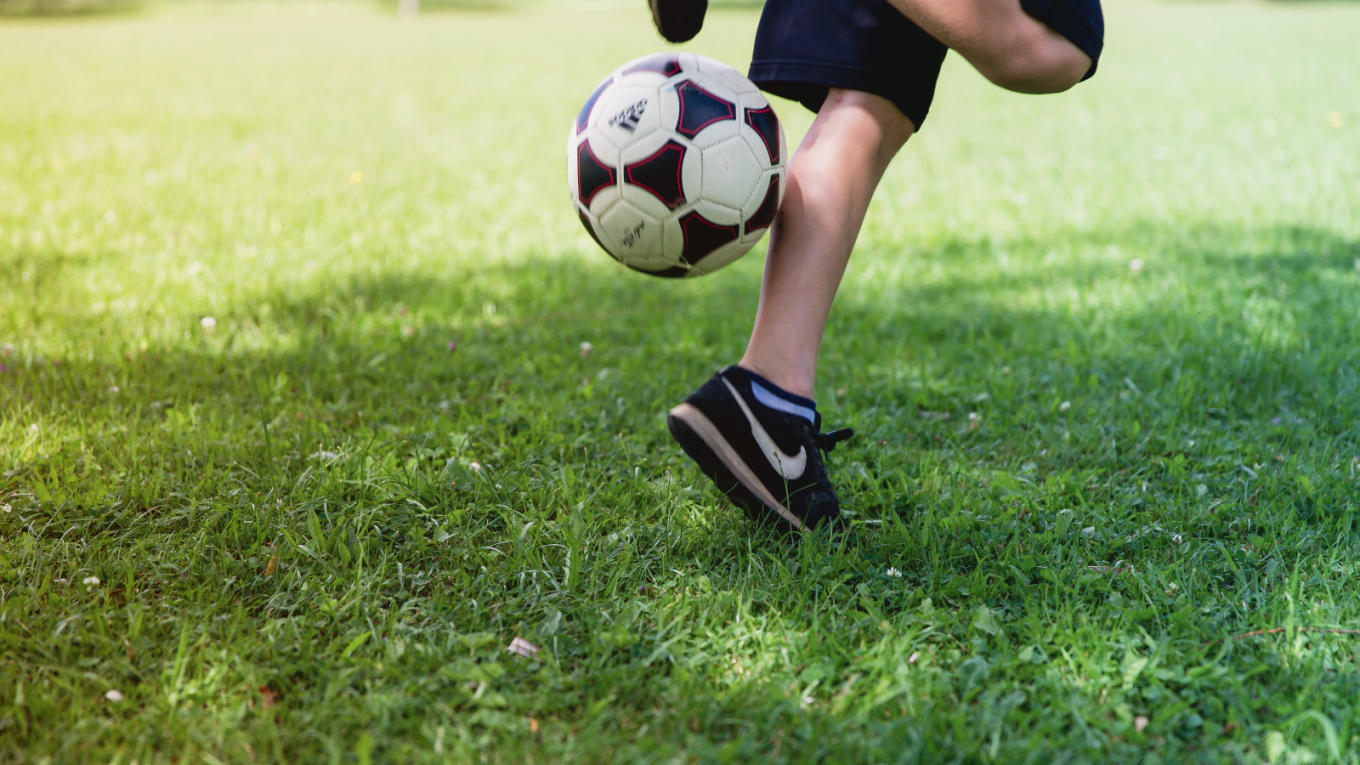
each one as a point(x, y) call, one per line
point(1234, 347)
point(1221, 326)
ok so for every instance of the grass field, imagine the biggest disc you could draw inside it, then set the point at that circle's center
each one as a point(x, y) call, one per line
point(298, 433)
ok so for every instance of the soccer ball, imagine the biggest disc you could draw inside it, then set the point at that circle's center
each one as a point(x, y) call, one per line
point(676, 164)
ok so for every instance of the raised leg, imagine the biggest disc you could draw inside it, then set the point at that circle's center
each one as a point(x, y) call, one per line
point(831, 178)
point(1007, 45)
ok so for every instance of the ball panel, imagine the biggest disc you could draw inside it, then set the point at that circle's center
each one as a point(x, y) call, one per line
point(583, 117)
point(635, 236)
point(692, 173)
point(672, 272)
point(664, 64)
point(713, 70)
point(659, 174)
point(719, 214)
point(668, 111)
point(590, 228)
point(766, 127)
point(700, 108)
point(763, 217)
point(720, 257)
point(672, 238)
point(702, 236)
point(731, 173)
point(592, 174)
point(728, 79)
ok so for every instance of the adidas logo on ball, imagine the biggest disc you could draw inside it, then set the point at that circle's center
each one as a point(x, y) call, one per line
point(628, 118)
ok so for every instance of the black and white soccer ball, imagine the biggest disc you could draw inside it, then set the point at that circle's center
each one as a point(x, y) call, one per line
point(676, 164)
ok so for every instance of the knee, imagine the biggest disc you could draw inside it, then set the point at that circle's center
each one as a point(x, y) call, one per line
point(1042, 62)
point(871, 121)
point(873, 117)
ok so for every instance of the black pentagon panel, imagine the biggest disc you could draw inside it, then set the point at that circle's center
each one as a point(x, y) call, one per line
point(592, 175)
point(659, 174)
point(678, 272)
point(585, 221)
point(662, 63)
point(703, 236)
point(583, 118)
point(766, 126)
point(764, 216)
point(699, 109)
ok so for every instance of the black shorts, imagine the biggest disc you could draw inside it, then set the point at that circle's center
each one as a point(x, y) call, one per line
point(805, 47)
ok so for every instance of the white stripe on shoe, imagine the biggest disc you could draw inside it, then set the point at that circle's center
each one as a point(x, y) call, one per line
point(703, 427)
point(791, 466)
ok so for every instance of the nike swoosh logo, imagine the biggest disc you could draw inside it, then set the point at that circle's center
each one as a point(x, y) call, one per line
point(791, 466)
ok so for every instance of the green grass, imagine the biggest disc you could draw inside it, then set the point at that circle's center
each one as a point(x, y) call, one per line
point(1101, 351)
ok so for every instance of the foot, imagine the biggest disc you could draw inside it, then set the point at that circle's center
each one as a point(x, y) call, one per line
point(678, 20)
point(766, 460)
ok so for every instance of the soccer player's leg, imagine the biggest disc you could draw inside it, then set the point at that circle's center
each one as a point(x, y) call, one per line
point(869, 73)
point(754, 429)
point(832, 177)
point(1029, 46)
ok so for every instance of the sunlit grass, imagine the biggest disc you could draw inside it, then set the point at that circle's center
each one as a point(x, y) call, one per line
point(297, 433)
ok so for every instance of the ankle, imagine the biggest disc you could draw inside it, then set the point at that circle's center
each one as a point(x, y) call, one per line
point(788, 379)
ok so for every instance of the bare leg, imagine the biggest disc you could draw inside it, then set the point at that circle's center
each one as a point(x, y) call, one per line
point(1007, 45)
point(831, 178)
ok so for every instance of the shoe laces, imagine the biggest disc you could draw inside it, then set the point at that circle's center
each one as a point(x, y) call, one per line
point(827, 441)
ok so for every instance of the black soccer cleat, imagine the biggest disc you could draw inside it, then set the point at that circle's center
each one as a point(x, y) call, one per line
point(678, 20)
point(767, 461)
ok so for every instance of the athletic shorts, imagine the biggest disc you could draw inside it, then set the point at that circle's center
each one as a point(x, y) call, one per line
point(805, 47)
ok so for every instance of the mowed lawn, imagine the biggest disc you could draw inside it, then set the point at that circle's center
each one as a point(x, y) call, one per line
point(299, 430)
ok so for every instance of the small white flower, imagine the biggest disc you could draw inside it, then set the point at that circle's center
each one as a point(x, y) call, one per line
point(475, 467)
point(1064, 406)
point(892, 571)
point(114, 389)
point(91, 580)
point(586, 347)
point(325, 455)
point(974, 419)
point(6, 508)
point(208, 323)
point(1136, 265)
point(114, 695)
point(33, 428)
